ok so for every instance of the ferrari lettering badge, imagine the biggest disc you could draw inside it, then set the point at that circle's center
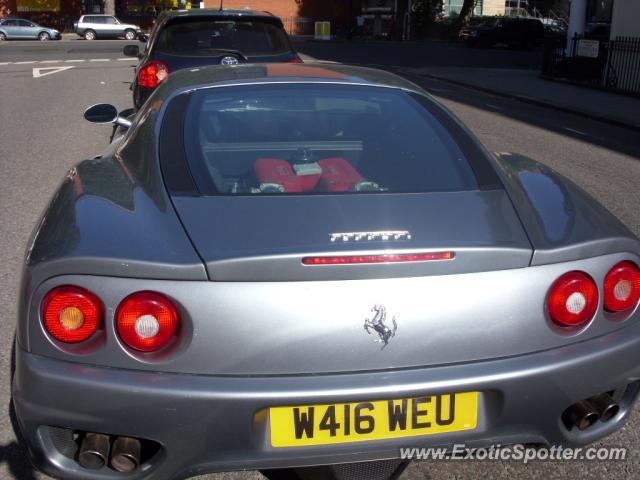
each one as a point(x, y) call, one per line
point(370, 236)
point(377, 324)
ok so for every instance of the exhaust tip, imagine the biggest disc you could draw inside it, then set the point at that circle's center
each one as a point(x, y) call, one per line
point(588, 420)
point(125, 455)
point(610, 412)
point(606, 406)
point(582, 415)
point(94, 451)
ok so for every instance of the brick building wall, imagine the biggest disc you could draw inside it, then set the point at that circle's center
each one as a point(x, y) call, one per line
point(280, 8)
point(295, 12)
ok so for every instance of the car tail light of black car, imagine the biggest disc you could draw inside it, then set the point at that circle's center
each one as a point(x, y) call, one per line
point(152, 74)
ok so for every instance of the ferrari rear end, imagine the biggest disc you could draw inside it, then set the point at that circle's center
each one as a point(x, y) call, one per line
point(317, 268)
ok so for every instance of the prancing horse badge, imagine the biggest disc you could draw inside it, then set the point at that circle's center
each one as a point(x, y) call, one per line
point(377, 323)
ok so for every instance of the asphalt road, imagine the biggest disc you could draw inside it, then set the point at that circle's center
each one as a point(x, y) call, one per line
point(42, 134)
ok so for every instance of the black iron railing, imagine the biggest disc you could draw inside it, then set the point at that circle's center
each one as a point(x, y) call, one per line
point(610, 64)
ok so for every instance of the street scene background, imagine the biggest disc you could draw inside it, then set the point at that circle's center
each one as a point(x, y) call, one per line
point(590, 136)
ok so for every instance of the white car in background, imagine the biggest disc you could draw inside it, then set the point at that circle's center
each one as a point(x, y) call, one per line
point(105, 26)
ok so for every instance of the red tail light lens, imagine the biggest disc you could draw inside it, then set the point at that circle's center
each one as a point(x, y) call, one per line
point(146, 321)
point(71, 314)
point(622, 287)
point(572, 299)
point(386, 258)
point(153, 74)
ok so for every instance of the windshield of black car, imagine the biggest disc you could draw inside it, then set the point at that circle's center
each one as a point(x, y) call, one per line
point(204, 37)
point(319, 139)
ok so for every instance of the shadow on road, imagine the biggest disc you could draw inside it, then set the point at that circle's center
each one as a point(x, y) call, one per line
point(15, 455)
point(16, 458)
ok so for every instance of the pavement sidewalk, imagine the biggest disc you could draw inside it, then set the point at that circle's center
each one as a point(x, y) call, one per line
point(529, 86)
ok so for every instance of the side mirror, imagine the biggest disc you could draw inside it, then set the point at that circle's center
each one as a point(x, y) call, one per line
point(131, 51)
point(143, 37)
point(105, 113)
point(101, 113)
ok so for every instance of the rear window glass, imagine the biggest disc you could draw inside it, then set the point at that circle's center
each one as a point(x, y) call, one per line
point(207, 36)
point(311, 139)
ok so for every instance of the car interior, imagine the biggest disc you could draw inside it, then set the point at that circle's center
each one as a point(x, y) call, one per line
point(250, 38)
point(325, 145)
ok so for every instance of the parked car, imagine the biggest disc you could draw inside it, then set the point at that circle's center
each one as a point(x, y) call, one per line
point(105, 26)
point(516, 32)
point(283, 265)
point(188, 39)
point(20, 29)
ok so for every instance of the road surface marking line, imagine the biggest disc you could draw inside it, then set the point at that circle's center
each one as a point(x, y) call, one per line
point(25, 63)
point(127, 58)
point(73, 61)
point(5, 63)
point(50, 61)
point(575, 131)
point(99, 60)
point(40, 72)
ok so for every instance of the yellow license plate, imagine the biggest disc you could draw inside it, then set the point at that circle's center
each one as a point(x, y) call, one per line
point(375, 420)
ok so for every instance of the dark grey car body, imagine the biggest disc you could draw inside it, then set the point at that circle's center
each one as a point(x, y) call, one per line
point(116, 226)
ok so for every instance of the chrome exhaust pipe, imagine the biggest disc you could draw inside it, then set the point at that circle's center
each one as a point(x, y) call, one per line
point(606, 406)
point(94, 451)
point(125, 454)
point(582, 414)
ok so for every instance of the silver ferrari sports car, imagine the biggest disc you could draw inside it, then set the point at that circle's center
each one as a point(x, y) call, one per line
point(280, 267)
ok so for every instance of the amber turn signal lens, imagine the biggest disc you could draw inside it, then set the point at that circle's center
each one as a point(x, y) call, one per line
point(71, 314)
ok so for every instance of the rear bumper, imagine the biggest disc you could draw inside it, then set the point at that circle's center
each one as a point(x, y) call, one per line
point(207, 423)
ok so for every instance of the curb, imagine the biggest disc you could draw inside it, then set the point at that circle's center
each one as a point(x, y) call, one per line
point(541, 103)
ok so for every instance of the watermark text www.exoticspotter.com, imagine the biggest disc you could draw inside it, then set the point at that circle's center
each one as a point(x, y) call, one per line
point(518, 453)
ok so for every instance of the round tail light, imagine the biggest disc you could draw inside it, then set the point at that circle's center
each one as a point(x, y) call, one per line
point(622, 287)
point(71, 314)
point(146, 321)
point(572, 299)
point(153, 74)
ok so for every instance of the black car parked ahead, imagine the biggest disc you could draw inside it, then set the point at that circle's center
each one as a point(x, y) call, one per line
point(516, 32)
point(194, 38)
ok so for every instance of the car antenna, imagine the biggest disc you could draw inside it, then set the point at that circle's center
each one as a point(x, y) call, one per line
point(221, 4)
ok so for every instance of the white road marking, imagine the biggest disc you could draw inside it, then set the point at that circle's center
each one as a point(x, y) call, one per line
point(575, 131)
point(31, 62)
point(40, 72)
